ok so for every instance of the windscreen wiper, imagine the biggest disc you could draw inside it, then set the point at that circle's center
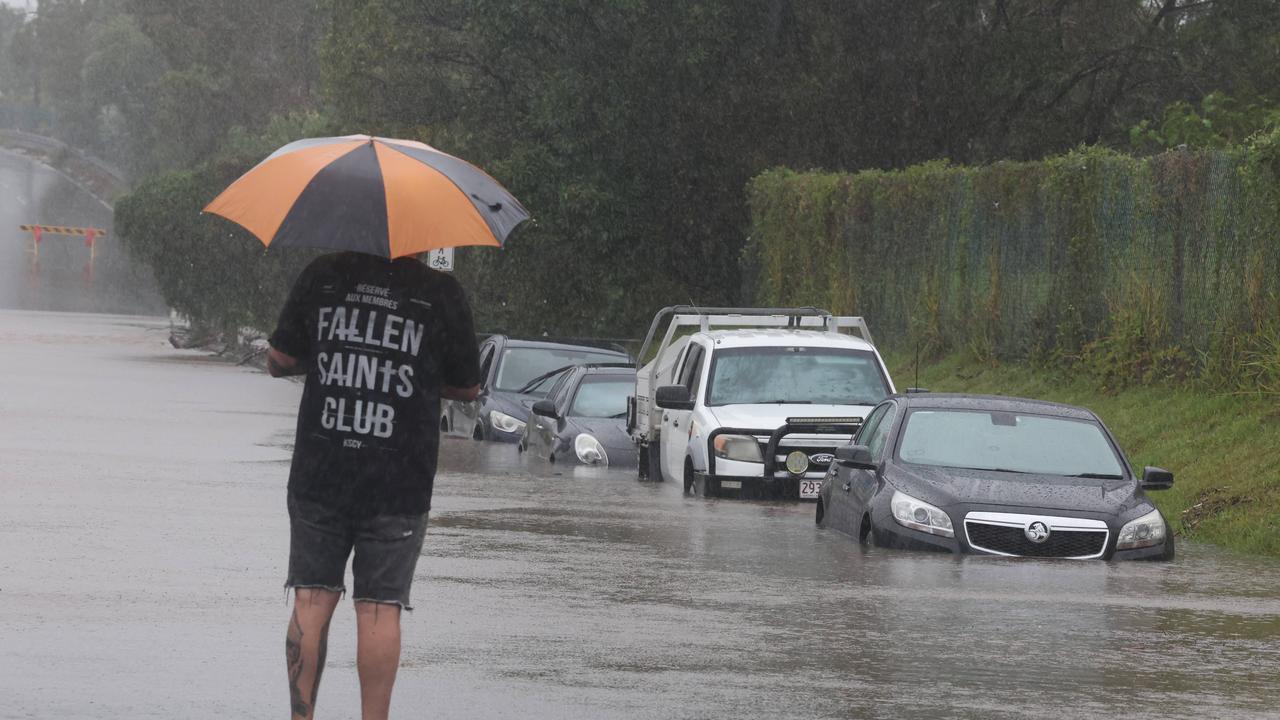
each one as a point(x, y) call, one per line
point(534, 382)
point(1098, 476)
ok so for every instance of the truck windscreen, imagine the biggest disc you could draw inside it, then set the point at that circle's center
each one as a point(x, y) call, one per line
point(803, 375)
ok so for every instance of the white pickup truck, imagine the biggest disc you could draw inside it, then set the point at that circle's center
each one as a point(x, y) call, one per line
point(753, 402)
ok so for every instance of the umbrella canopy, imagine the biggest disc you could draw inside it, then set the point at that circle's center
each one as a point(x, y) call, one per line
point(372, 195)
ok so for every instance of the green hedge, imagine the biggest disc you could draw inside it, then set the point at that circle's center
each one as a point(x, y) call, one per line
point(209, 269)
point(1144, 269)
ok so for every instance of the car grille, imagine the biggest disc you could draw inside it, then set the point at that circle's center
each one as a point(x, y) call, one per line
point(1005, 534)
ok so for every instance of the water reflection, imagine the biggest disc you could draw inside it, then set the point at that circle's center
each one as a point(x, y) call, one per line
point(585, 580)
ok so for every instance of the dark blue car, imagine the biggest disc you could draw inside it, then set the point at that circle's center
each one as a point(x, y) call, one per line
point(993, 476)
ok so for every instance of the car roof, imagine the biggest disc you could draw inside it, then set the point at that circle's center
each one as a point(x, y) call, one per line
point(550, 344)
point(784, 338)
point(997, 403)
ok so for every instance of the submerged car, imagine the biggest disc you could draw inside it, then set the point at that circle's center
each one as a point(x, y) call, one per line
point(514, 374)
point(583, 418)
point(994, 476)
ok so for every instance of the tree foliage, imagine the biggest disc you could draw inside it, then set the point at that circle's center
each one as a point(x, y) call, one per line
point(631, 127)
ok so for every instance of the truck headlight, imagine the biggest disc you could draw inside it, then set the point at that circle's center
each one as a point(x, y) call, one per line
point(589, 450)
point(743, 448)
point(503, 422)
point(920, 515)
point(1146, 531)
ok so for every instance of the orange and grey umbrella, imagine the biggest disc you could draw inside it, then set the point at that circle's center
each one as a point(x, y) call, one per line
point(372, 195)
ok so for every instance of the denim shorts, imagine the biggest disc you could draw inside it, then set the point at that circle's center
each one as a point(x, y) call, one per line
point(386, 549)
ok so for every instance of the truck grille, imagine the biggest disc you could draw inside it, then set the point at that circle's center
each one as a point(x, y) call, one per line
point(1005, 534)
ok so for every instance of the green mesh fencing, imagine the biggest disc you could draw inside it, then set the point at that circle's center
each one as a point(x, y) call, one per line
point(1160, 266)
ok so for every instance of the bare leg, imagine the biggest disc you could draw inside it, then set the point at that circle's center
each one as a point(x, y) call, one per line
point(377, 656)
point(305, 647)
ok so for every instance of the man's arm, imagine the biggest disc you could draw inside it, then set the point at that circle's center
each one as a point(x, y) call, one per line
point(450, 392)
point(282, 365)
point(460, 353)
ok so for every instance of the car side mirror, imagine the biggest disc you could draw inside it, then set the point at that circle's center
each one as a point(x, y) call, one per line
point(545, 408)
point(673, 397)
point(1154, 478)
point(855, 456)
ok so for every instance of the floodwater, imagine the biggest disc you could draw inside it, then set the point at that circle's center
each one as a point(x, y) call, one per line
point(32, 193)
point(143, 545)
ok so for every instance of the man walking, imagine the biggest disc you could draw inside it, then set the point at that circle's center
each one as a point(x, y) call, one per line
point(381, 342)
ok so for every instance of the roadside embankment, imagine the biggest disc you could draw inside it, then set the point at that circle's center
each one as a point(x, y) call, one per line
point(1223, 448)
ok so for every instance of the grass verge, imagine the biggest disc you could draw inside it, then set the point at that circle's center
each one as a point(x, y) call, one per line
point(1223, 449)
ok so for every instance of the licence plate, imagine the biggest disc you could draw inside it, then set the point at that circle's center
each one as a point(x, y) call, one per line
point(731, 484)
point(809, 488)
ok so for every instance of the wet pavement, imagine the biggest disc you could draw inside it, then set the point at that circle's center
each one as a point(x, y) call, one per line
point(143, 545)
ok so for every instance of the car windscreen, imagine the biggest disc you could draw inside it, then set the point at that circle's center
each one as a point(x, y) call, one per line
point(811, 375)
point(603, 396)
point(1013, 442)
point(519, 365)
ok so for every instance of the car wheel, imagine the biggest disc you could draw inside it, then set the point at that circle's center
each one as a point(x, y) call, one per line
point(478, 433)
point(444, 423)
point(819, 514)
point(688, 477)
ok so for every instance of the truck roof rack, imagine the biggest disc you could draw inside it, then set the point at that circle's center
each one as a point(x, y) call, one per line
point(705, 318)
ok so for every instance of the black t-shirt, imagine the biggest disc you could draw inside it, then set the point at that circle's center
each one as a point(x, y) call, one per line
point(378, 338)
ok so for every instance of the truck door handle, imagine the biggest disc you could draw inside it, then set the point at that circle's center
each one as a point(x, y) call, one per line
point(845, 487)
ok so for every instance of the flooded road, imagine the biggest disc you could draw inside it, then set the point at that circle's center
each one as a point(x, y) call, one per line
point(33, 193)
point(143, 546)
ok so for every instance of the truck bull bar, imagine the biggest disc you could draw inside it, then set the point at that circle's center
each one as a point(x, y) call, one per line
point(793, 426)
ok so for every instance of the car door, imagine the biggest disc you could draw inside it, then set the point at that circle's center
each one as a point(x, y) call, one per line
point(676, 423)
point(849, 487)
point(865, 483)
point(462, 416)
point(544, 430)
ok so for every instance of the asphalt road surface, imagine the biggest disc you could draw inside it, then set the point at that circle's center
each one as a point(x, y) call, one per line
point(143, 547)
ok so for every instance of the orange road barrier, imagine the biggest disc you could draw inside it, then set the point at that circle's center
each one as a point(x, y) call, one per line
point(90, 234)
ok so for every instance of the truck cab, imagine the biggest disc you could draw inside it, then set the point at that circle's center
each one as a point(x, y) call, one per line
point(754, 402)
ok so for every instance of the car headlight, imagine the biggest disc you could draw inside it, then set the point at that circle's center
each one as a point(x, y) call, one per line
point(920, 515)
point(589, 450)
point(737, 447)
point(1146, 531)
point(503, 422)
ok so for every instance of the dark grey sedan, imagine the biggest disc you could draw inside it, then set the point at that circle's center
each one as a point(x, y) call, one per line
point(514, 374)
point(583, 418)
point(995, 476)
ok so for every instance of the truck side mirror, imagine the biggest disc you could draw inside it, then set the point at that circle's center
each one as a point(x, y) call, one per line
point(673, 397)
point(545, 408)
point(855, 456)
point(1154, 478)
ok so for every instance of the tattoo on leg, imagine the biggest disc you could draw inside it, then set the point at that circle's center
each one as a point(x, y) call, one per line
point(293, 654)
point(320, 658)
